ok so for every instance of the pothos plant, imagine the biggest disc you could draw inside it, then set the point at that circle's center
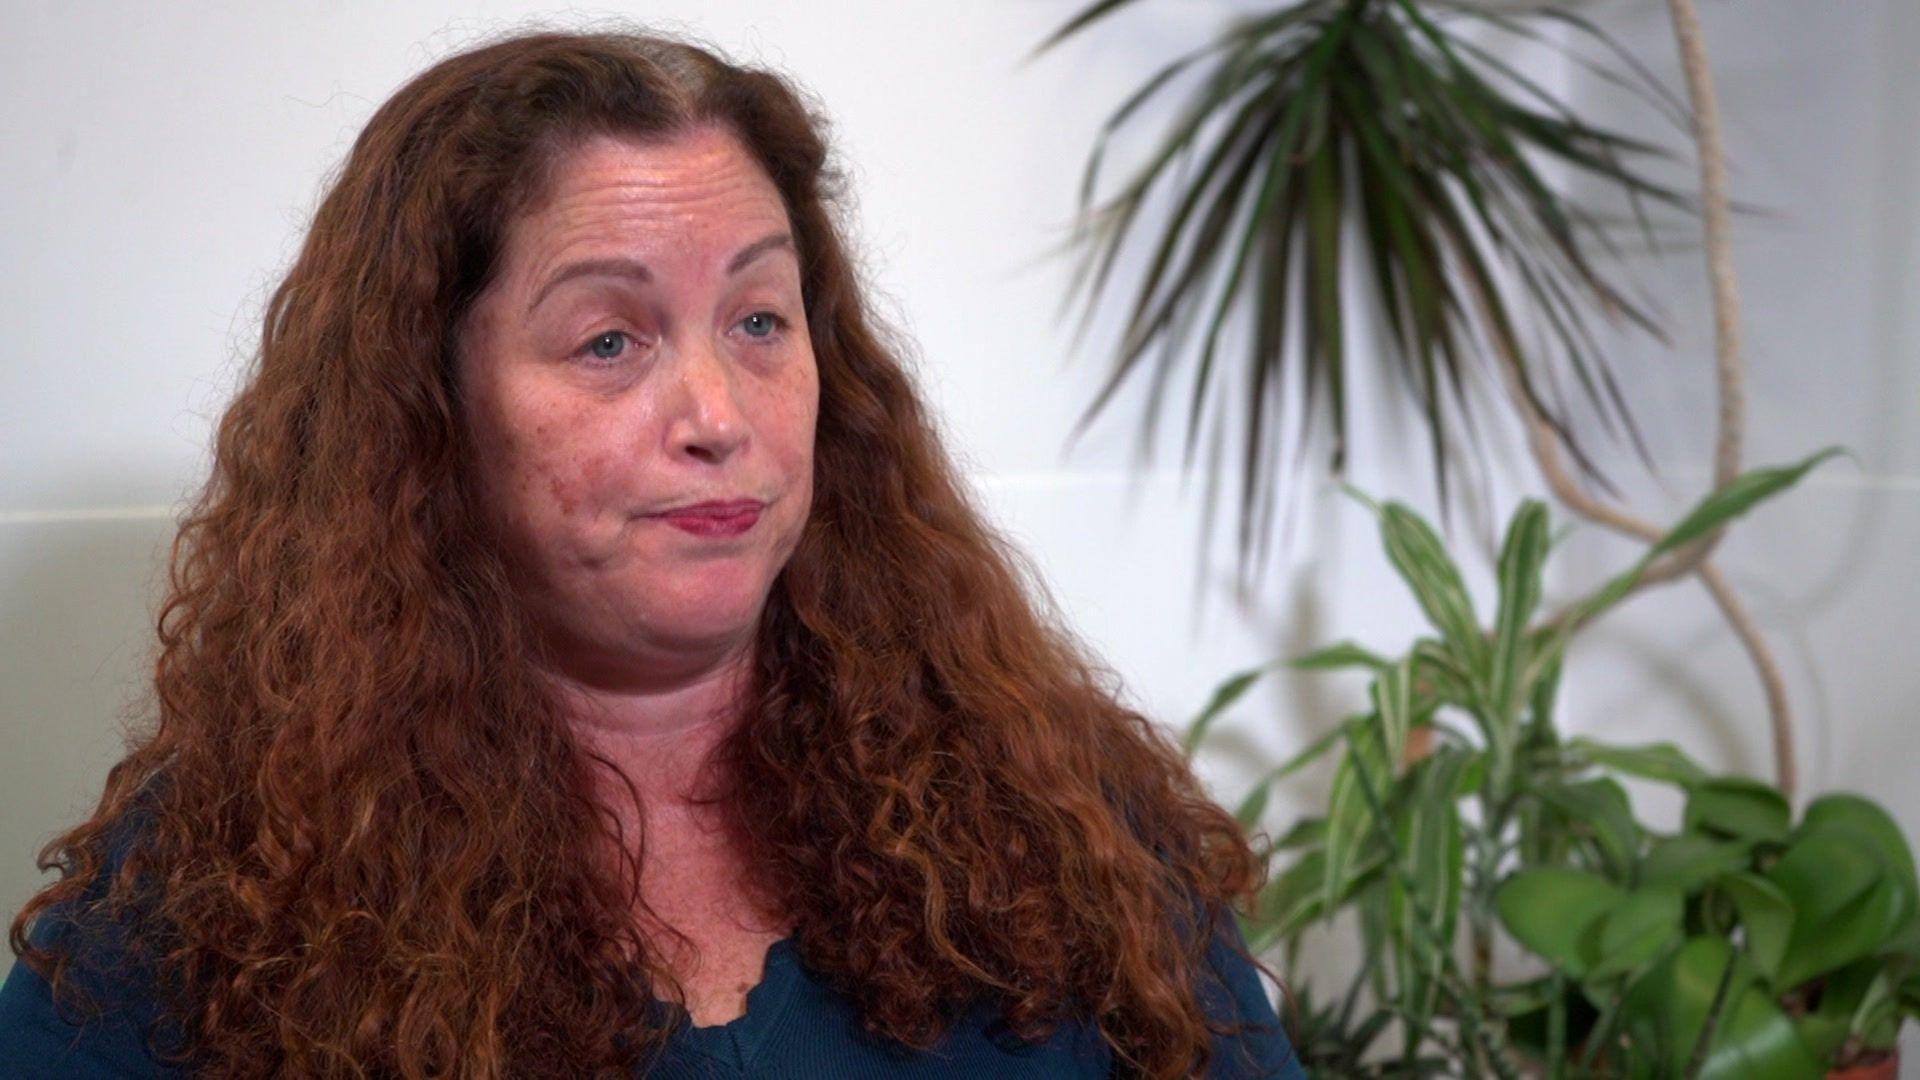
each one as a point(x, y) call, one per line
point(1742, 945)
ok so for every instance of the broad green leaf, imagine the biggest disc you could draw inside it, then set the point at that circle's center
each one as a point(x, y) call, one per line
point(1845, 905)
point(1522, 556)
point(1350, 805)
point(1552, 910)
point(1667, 1008)
point(1756, 1041)
point(1305, 757)
point(1376, 934)
point(1449, 679)
point(1689, 862)
point(1308, 832)
point(1766, 917)
point(1515, 998)
point(1871, 824)
point(1433, 853)
point(1638, 931)
point(1392, 692)
point(1737, 806)
point(1472, 774)
point(1343, 654)
point(1546, 647)
point(1877, 1018)
point(1737, 498)
point(1908, 994)
point(1416, 552)
point(1906, 941)
point(1664, 762)
point(1432, 848)
point(1847, 999)
point(1224, 695)
point(1599, 809)
point(1821, 1034)
point(1545, 838)
point(1717, 508)
point(1296, 897)
point(1542, 692)
point(1249, 812)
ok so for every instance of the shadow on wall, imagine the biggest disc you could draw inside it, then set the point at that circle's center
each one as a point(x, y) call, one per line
point(78, 594)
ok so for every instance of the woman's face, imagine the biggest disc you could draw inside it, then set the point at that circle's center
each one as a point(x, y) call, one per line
point(643, 348)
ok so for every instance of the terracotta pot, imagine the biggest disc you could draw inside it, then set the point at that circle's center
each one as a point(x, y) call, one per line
point(1885, 1068)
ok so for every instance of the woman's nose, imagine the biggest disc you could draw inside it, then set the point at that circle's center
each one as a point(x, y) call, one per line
point(706, 420)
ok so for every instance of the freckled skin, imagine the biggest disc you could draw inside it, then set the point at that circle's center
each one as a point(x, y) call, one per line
point(612, 398)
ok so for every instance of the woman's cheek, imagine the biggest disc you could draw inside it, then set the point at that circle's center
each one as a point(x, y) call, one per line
point(566, 500)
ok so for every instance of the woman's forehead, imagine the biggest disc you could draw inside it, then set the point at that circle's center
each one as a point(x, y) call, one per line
point(690, 203)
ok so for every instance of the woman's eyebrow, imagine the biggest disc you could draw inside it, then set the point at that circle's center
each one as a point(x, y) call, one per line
point(620, 266)
point(757, 248)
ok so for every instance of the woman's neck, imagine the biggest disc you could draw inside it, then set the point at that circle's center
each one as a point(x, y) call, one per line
point(661, 734)
point(664, 742)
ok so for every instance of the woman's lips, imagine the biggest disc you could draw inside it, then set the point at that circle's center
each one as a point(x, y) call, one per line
point(720, 523)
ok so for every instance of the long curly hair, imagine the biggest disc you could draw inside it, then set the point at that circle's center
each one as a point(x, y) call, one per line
point(373, 845)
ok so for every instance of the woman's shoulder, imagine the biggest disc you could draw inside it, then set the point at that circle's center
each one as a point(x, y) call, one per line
point(1252, 1042)
point(1231, 992)
point(107, 1005)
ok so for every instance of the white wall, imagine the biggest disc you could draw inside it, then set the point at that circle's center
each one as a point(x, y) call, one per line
point(159, 166)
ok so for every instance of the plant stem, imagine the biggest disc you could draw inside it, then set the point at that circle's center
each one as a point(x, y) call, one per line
point(1698, 1057)
point(1478, 1035)
point(1601, 1032)
point(1729, 371)
point(1713, 188)
point(1729, 366)
point(1487, 854)
point(1557, 1029)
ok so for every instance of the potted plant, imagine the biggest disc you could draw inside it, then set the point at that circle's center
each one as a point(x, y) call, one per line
point(1796, 942)
point(1742, 945)
point(1459, 813)
point(1314, 119)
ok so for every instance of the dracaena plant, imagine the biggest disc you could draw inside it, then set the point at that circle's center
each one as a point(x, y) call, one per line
point(1311, 116)
point(1316, 119)
point(1740, 946)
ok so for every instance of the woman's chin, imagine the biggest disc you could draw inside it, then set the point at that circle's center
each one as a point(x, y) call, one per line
point(718, 617)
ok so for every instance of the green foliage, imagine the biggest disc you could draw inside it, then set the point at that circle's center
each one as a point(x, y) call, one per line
point(1317, 120)
point(1744, 944)
point(1553, 911)
point(1702, 1011)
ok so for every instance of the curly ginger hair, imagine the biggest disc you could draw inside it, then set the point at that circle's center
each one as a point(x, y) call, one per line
point(373, 849)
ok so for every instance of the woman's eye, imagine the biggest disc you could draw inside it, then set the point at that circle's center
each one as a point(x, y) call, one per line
point(768, 323)
point(605, 346)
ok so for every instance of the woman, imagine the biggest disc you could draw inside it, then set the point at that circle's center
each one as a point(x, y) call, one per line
point(584, 660)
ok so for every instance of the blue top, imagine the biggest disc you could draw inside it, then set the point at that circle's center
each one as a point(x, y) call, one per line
point(794, 1026)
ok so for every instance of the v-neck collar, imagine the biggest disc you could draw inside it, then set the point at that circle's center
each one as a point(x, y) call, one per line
point(740, 1039)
